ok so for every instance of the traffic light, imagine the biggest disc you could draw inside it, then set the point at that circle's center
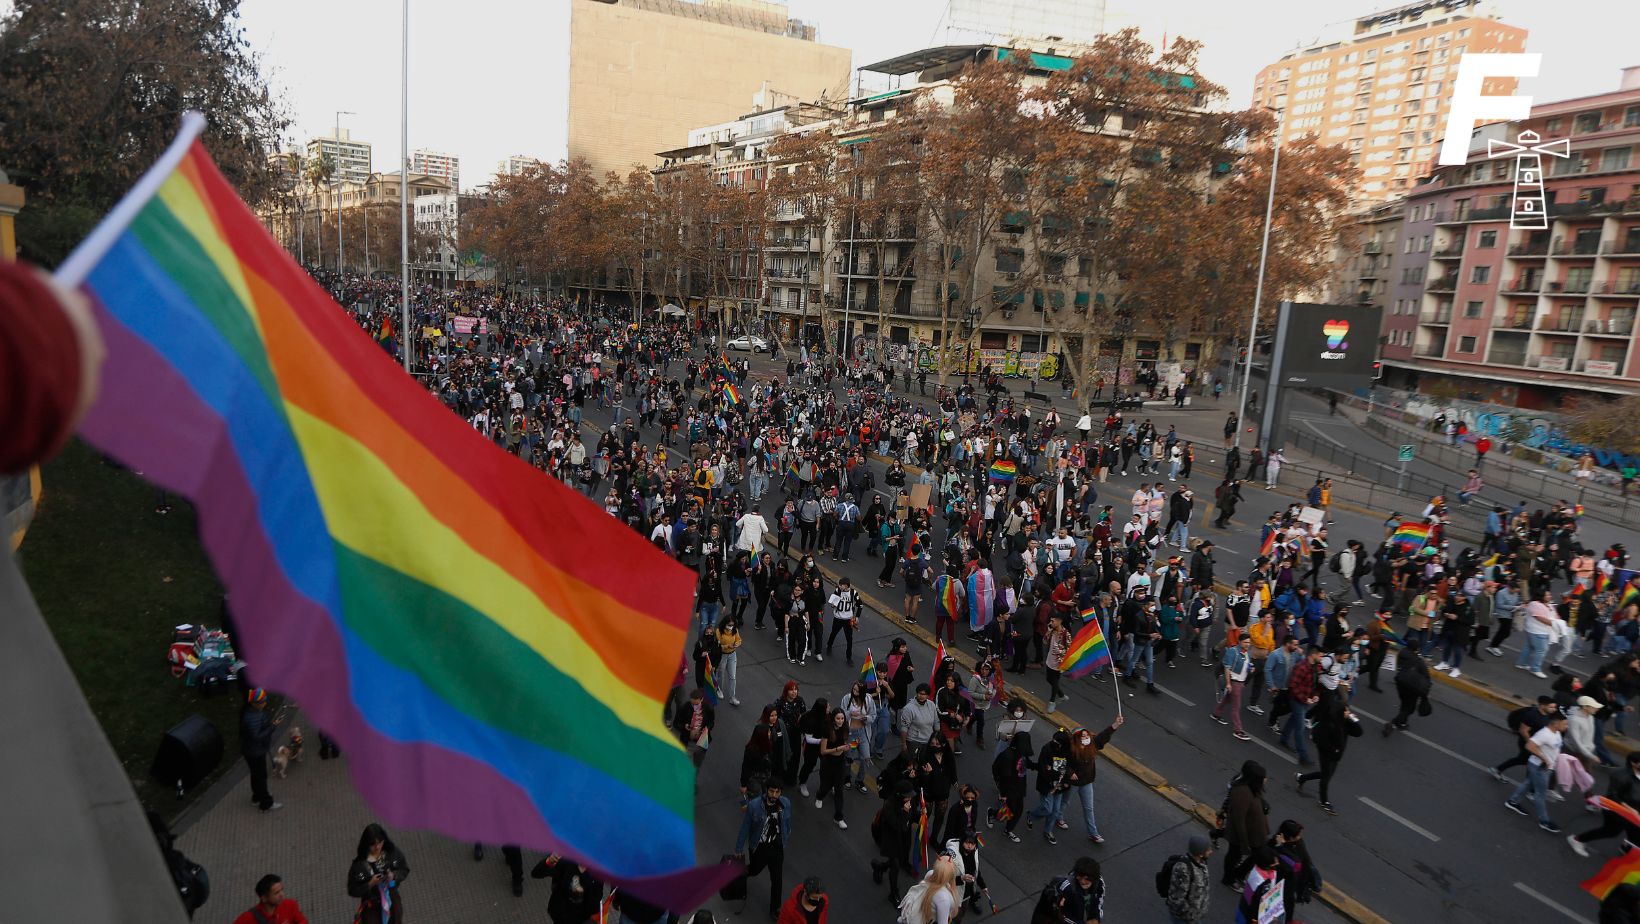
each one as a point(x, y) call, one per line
point(1377, 370)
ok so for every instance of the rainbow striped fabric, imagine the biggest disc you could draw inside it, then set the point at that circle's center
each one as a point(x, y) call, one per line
point(948, 595)
point(1410, 535)
point(868, 672)
point(711, 688)
point(1630, 594)
point(1089, 651)
point(470, 631)
point(1003, 471)
point(732, 393)
point(1622, 868)
point(1268, 545)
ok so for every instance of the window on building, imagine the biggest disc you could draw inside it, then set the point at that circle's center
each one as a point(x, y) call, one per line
point(1614, 159)
point(1010, 259)
point(1466, 344)
point(1472, 309)
point(1631, 117)
point(1480, 274)
point(1585, 122)
point(1488, 239)
point(1423, 244)
point(1033, 343)
point(1553, 126)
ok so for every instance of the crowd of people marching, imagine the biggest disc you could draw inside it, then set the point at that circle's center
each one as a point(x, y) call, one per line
point(987, 518)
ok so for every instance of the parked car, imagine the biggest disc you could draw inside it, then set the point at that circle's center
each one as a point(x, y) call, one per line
point(755, 344)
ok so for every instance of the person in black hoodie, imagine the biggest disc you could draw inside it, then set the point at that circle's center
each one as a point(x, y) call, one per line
point(895, 832)
point(576, 893)
point(1053, 770)
point(255, 741)
point(1009, 772)
point(1624, 788)
point(1331, 732)
point(1411, 685)
point(1244, 823)
point(965, 813)
point(1301, 876)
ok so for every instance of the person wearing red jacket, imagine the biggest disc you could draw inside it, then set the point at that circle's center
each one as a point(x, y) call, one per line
point(272, 907)
point(806, 905)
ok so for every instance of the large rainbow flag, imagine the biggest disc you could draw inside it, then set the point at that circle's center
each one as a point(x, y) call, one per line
point(1089, 651)
point(1410, 535)
point(1003, 471)
point(469, 630)
point(1624, 867)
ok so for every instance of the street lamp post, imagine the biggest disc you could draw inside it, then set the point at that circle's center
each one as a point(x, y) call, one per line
point(1258, 288)
point(338, 137)
point(404, 184)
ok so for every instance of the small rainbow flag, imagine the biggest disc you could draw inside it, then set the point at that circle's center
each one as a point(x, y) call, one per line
point(606, 908)
point(366, 536)
point(1003, 471)
point(920, 856)
point(868, 672)
point(1600, 581)
point(1088, 652)
point(945, 591)
point(755, 557)
point(1631, 593)
point(1624, 868)
point(1410, 535)
point(1005, 814)
point(732, 393)
point(1269, 544)
point(713, 691)
point(385, 335)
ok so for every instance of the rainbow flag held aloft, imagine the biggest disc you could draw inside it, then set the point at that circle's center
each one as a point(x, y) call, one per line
point(920, 858)
point(732, 393)
point(1620, 809)
point(1623, 868)
point(1630, 594)
point(1003, 471)
point(711, 687)
point(939, 658)
point(1410, 535)
point(606, 908)
point(868, 672)
point(1089, 651)
point(1600, 581)
point(385, 335)
point(1269, 544)
point(475, 635)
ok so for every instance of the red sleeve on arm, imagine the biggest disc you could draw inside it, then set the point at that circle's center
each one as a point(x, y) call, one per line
point(39, 369)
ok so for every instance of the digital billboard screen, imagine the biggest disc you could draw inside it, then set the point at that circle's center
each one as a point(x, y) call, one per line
point(1329, 346)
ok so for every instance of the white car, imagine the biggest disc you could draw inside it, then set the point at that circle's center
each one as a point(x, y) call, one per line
point(755, 344)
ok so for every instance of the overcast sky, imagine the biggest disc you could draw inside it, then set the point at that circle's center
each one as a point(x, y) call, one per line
point(490, 77)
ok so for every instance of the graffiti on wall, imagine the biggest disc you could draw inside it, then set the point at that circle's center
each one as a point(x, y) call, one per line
point(1541, 432)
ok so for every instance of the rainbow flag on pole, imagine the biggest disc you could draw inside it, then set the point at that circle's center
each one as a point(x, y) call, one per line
point(1630, 594)
point(732, 393)
point(1003, 471)
point(1088, 652)
point(868, 671)
point(919, 855)
point(1410, 535)
point(711, 687)
point(1269, 544)
point(1618, 870)
point(491, 674)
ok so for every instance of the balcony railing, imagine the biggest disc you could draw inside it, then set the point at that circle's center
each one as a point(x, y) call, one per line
point(1430, 352)
point(1506, 358)
point(1444, 284)
point(1609, 287)
point(1372, 247)
point(1610, 327)
point(1449, 253)
point(1576, 248)
point(1559, 325)
point(1436, 317)
point(1576, 287)
point(1529, 250)
point(1624, 247)
point(1516, 322)
point(1524, 284)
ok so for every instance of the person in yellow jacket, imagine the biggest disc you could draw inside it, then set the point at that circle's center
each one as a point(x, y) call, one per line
point(728, 639)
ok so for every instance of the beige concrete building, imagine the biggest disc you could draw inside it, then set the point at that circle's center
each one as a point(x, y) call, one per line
point(643, 73)
point(1385, 92)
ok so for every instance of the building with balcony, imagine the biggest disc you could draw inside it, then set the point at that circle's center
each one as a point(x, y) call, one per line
point(1385, 91)
point(435, 163)
point(351, 158)
point(1520, 315)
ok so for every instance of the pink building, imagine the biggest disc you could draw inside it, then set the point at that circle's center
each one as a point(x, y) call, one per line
point(1520, 315)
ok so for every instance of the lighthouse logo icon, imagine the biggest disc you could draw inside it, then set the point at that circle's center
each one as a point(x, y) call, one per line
point(1526, 206)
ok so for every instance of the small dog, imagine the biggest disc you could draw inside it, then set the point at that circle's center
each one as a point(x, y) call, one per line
point(286, 753)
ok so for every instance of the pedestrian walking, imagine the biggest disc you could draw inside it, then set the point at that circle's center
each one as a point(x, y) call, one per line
point(1237, 664)
point(1187, 882)
point(1544, 749)
point(765, 826)
point(1009, 772)
point(895, 833)
point(1623, 789)
point(374, 878)
point(1334, 726)
point(1244, 821)
point(272, 907)
point(808, 904)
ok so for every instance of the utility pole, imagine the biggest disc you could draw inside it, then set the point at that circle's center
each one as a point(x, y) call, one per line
point(404, 184)
point(1258, 289)
point(338, 136)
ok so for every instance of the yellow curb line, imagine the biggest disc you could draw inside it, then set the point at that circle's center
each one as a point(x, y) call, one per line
point(1206, 814)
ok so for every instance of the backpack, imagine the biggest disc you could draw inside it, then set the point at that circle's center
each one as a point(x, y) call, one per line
point(1047, 904)
point(1333, 564)
point(1164, 876)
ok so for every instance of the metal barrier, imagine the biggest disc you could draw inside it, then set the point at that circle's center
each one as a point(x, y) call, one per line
point(1382, 486)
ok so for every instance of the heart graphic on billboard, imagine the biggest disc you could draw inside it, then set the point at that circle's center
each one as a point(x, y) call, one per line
point(1336, 331)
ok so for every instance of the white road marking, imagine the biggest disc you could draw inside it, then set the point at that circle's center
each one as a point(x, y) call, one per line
point(1176, 696)
point(1552, 903)
point(1274, 750)
point(1422, 740)
point(1323, 435)
point(1424, 831)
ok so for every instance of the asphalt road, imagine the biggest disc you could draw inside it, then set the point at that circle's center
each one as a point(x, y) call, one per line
point(1422, 834)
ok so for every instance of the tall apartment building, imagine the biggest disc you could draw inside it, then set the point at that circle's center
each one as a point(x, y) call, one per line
point(515, 164)
point(643, 73)
point(1385, 92)
point(435, 163)
point(1519, 315)
point(352, 158)
point(1005, 21)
